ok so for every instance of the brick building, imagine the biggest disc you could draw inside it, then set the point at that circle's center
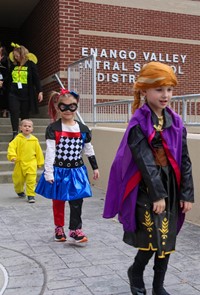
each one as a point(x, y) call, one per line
point(123, 34)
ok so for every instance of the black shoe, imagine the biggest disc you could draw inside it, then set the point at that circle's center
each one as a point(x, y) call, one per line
point(161, 291)
point(134, 289)
point(31, 199)
point(21, 195)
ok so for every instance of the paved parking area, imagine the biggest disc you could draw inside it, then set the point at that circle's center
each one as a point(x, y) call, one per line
point(37, 265)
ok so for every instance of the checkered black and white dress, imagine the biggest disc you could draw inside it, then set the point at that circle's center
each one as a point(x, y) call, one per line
point(64, 164)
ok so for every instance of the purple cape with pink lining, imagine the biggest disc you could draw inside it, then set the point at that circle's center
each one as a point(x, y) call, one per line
point(124, 176)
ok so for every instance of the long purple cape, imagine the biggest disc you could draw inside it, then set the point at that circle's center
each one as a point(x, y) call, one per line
point(124, 176)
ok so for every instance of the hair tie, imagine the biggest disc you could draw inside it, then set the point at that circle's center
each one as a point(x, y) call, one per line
point(64, 91)
point(15, 45)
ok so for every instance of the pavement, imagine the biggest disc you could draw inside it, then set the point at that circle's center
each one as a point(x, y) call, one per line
point(32, 263)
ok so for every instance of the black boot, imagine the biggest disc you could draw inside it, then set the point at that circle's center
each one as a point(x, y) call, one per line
point(135, 281)
point(160, 268)
point(135, 272)
point(162, 291)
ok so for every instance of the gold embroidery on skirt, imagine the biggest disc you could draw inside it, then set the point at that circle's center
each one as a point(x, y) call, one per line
point(148, 222)
point(164, 230)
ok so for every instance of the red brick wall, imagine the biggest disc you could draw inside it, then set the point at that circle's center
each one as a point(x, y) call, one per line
point(188, 82)
point(138, 21)
point(52, 33)
point(40, 34)
point(143, 22)
point(69, 32)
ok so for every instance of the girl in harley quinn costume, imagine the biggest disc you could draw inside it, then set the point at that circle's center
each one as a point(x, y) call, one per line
point(65, 176)
point(150, 185)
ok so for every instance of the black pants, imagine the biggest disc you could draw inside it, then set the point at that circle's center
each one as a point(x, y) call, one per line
point(160, 267)
point(75, 221)
point(3, 100)
point(18, 109)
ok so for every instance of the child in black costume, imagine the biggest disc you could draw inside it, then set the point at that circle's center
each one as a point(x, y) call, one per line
point(150, 185)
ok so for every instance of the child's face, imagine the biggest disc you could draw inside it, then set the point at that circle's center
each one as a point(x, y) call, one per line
point(26, 128)
point(158, 98)
point(67, 109)
point(16, 55)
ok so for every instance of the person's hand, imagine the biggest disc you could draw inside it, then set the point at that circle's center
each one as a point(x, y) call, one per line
point(1, 84)
point(186, 206)
point(159, 206)
point(13, 160)
point(49, 177)
point(50, 181)
point(40, 96)
point(96, 174)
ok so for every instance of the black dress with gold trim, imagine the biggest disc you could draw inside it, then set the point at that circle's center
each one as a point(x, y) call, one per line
point(155, 232)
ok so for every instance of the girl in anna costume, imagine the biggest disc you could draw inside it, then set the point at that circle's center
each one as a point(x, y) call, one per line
point(150, 185)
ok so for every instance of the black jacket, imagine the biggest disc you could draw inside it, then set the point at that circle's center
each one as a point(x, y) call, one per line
point(34, 84)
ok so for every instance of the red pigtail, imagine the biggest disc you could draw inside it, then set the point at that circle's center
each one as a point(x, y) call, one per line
point(53, 100)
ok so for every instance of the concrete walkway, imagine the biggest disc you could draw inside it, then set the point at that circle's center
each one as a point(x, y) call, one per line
point(31, 263)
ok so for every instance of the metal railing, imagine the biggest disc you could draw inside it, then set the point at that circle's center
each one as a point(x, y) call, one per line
point(82, 78)
point(187, 106)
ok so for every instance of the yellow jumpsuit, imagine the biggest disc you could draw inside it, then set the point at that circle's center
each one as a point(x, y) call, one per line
point(29, 157)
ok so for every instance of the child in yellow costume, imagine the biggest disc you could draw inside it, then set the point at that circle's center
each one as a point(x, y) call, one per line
point(25, 151)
